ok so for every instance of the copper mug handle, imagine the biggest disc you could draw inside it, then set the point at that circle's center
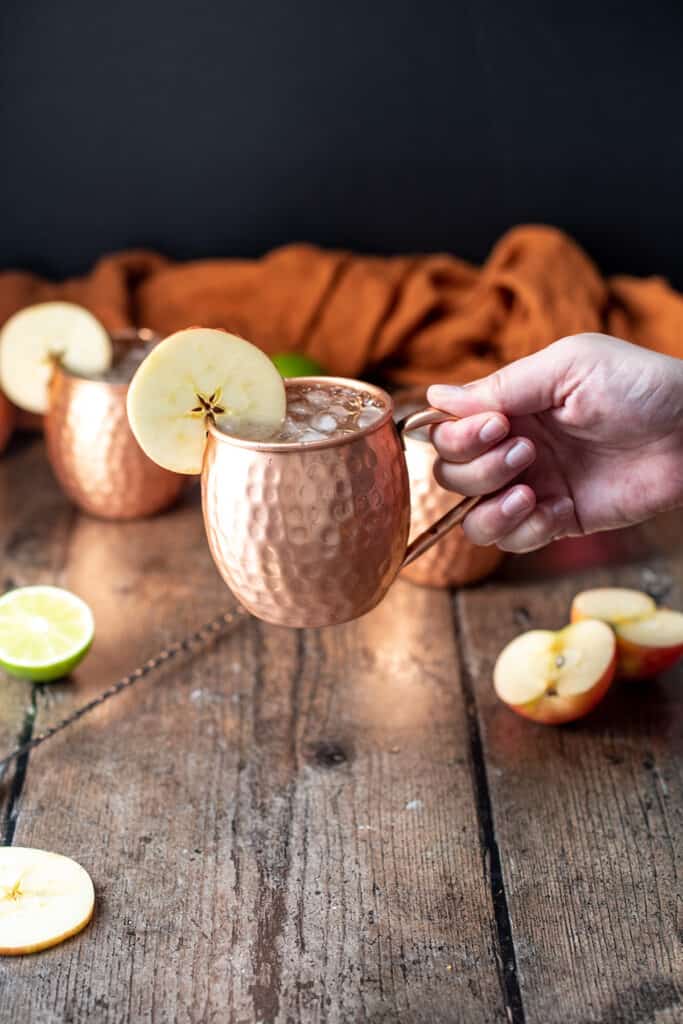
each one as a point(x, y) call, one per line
point(433, 533)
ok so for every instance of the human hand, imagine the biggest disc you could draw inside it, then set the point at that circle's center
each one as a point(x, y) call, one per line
point(590, 430)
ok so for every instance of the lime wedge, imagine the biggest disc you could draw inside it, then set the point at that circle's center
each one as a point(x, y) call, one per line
point(44, 632)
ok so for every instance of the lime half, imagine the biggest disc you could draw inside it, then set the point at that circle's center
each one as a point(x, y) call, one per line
point(44, 632)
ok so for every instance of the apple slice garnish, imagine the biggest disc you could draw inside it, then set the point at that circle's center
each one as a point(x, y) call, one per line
point(196, 375)
point(44, 899)
point(649, 639)
point(36, 337)
point(555, 677)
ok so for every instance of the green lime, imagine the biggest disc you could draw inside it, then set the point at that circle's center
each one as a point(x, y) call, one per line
point(295, 364)
point(44, 632)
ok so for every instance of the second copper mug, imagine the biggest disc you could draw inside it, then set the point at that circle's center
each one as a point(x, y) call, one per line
point(314, 534)
point(91, 447)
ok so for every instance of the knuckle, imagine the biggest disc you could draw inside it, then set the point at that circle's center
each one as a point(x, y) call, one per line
point(534, 533)
point(481, 476)
point(497, 386)
point(537, 531)
point(478, 531)
point(446, 438)
point(443, 474)
point(538, 526)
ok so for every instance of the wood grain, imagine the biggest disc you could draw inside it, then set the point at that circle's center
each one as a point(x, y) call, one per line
point(35, 523)
point(587, 817)
point(340, 825)
point(281, 828)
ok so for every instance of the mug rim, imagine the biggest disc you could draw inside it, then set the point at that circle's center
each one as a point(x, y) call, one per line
point(124, 335)
point(311, 446)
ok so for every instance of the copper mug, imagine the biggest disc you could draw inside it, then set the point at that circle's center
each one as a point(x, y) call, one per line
point(91, 448)
point(456, 561)
point(314, 534)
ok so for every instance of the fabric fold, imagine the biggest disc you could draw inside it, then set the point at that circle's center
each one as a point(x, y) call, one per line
point(406, 319)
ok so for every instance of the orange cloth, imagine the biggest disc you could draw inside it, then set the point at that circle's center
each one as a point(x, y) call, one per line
point(409, 319)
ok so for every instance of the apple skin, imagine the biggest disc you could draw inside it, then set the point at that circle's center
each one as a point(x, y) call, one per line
point(634, 661)
point(6, 422)
point(638, 662)
point(558, 710)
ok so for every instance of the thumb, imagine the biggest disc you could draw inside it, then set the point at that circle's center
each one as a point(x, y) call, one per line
point(526, 386)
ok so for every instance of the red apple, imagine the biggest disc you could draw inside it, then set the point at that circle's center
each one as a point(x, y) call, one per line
point(556, 677)
point(649, 639)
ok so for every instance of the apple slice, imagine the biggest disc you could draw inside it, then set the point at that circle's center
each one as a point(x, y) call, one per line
point(612, 605)
point(555, 677)
point(649, 639)
point(36, 336)
point(199, 374)
point(44, 899)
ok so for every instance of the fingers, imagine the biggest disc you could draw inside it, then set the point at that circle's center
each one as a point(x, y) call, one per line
point(488, 472)
point(463, 440)
point(515, 522)
point(529, 385)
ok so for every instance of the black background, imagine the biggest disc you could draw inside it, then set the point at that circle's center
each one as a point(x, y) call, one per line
point(227, 128)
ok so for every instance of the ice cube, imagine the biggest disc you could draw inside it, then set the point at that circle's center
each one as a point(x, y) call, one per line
point(318, 397)
point(324, 421)
point(340, 412)
point(368, 416)
point(298, 409)
point(290, 428)
point(308, 436)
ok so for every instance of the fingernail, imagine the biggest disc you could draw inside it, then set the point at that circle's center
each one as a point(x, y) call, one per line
point(562, 508)
point(493, 430)
point(519, 455)
point(517, 501)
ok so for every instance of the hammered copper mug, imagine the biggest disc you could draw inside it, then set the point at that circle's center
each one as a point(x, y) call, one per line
point(91, 448)
point(456, 560)
point(314, 534)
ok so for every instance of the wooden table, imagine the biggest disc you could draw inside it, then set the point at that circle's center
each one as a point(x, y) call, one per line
point(340, 824)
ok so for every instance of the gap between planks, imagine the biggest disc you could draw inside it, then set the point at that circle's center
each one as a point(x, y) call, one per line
point(504, 941)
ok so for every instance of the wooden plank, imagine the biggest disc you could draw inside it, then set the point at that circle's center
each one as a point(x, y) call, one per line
point(35, 521)
point(588, 817)
point(390, 884)
point(281, 829)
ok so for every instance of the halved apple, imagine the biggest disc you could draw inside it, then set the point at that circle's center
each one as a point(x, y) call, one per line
point(7, 421)
point(44, 899)
point(649, 639)
point(555, 677)
point(36, 336)
point(196, 375)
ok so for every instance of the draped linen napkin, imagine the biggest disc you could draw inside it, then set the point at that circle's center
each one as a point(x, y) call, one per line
point(406, 319)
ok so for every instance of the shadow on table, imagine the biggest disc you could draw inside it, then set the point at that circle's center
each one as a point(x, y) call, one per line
point(647, 542)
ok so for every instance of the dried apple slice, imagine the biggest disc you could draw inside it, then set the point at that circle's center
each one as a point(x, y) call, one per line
point(34, 337)
point(556, 677)
point(44, 899)
point(197, 374)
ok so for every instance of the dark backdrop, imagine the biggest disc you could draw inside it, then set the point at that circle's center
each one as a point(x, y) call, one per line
point(228, 127)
